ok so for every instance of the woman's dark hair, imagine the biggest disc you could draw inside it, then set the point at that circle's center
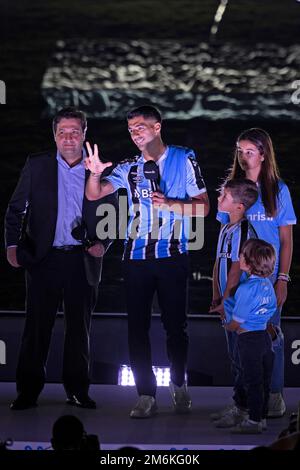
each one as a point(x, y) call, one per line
point(269, 174)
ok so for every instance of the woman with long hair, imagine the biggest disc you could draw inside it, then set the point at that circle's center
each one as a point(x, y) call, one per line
point(273, 218)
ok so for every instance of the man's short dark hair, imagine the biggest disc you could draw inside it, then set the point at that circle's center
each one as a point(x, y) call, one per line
point(147, 111)
point(243, 191)
point(70, 113)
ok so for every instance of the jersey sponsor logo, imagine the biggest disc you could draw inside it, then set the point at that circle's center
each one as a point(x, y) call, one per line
point(144, 193)
point(224, 255)
point(136, 177)
point(259, 216)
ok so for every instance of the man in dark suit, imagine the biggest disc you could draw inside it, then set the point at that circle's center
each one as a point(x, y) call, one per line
point(48, 203)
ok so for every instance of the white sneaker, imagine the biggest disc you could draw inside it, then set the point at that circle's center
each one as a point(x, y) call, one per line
point(277, 406)
point(181, 399)
point(219, 414)
point(247, 426)
point(144, 408)
point(233, 417)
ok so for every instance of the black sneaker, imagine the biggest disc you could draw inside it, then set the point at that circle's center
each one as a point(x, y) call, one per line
point(23, 402)
point(81, 400)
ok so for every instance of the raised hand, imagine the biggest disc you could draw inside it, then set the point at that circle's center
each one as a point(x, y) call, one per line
point(93, 162)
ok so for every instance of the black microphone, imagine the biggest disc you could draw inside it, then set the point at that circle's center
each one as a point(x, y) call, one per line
point(151, 172)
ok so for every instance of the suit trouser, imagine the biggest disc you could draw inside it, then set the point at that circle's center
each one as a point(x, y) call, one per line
point(60, 276)
point(168, 277)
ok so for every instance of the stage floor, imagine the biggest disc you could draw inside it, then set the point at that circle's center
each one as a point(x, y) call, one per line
point(111, 422)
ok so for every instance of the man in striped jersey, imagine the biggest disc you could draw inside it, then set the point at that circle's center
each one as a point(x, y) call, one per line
point(162, 197)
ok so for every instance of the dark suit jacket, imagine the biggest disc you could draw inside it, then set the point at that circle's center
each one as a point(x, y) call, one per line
point(32, 212)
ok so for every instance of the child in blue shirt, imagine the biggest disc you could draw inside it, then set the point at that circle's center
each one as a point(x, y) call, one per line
point(254, 303)
point(237, 196)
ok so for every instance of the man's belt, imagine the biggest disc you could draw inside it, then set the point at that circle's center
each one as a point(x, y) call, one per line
point(68, 248)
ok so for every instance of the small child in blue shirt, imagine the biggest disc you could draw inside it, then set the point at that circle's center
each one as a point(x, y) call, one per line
point(254, 303)
point(237, 196)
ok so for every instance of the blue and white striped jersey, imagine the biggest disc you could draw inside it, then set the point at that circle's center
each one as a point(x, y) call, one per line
point(153, 233)
point(230, 242)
